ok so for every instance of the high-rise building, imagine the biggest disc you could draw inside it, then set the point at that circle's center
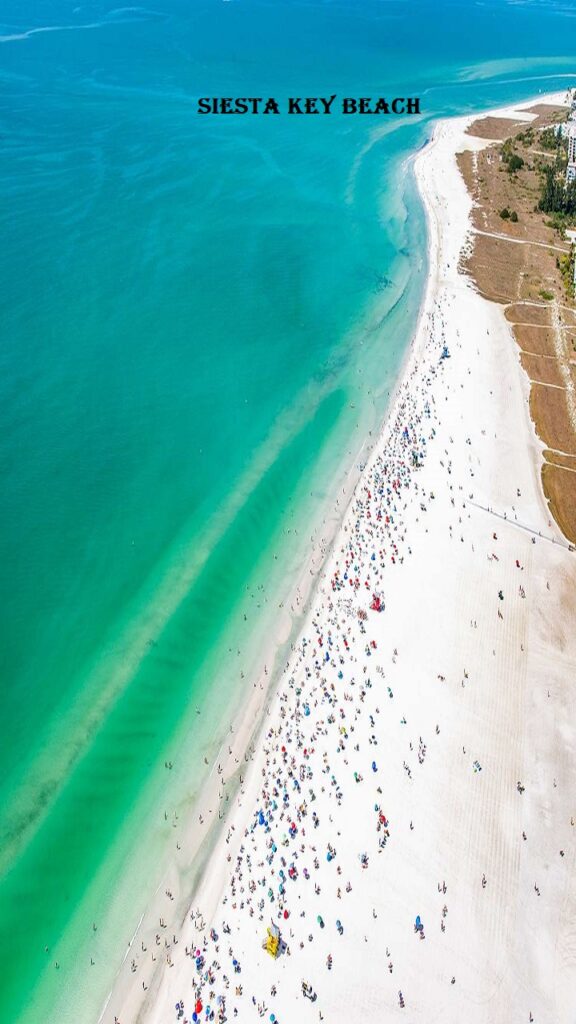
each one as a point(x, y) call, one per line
point(572, 145)
point(571, 168)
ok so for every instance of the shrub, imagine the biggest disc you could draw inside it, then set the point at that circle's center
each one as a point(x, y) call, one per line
point(505, 213)
point(514, 217)
point(515, 162)
point(550, 140)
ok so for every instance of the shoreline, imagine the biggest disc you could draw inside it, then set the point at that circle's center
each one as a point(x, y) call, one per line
point(161, 992)
point(248, 721)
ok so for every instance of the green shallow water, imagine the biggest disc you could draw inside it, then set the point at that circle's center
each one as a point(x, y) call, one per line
point(173, 675)
point(202, 320)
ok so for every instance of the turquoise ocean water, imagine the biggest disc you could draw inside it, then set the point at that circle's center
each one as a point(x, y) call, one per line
point(202, 319)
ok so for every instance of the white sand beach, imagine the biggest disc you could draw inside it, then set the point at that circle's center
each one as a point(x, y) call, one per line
point(416, 761)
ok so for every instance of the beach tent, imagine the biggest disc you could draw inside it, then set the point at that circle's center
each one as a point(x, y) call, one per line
point(272, 941)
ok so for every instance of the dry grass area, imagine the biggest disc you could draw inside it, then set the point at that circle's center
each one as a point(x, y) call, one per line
point(560, 489)
point(514, 262)
point(505, 270)
point(493, 127)
point(548, 409)
point(544, 369)
point(538, 340)
point(494, 188)
point(568, 316)
point(558, 459)
point(518, 312)
point(547, 113)
point(503, 127)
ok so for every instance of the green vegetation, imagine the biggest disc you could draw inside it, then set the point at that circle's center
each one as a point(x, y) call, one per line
point(556, 196)
point(558, 222)
point(565, 265)
point(527, 137)
point(549, 140)
point(510, 215)
point(510, 159)
point(515, 163)
point(547, 296)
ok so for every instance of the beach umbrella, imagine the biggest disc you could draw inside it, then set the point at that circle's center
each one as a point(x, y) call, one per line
point(198, 1007)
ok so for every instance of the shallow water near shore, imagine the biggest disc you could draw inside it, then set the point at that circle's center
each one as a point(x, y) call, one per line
point(203, 320)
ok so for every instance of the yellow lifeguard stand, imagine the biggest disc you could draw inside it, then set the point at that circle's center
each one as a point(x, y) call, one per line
point(272, 942)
